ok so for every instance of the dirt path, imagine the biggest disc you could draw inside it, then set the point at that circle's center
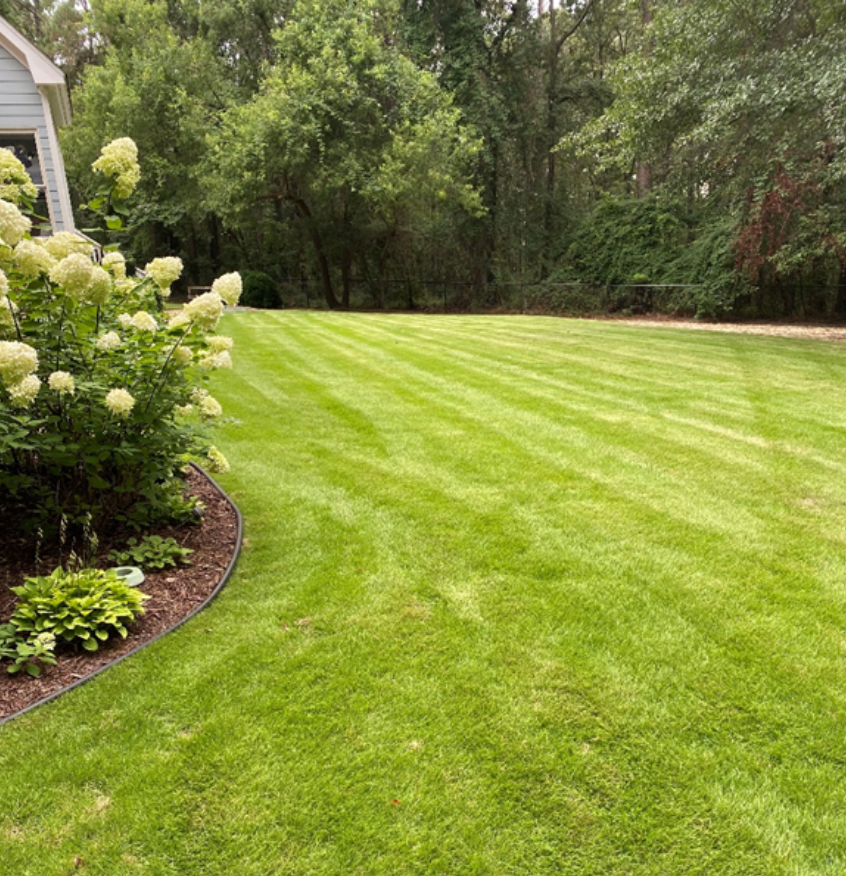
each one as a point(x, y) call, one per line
point(815, 332)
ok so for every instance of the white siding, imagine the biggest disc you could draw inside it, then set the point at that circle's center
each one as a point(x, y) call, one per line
point(22, 109)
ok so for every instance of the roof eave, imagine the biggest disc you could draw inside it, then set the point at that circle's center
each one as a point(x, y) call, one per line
point(43, 70)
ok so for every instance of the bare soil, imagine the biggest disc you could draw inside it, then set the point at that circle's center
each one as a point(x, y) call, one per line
point(174, 593)
point(817, 332)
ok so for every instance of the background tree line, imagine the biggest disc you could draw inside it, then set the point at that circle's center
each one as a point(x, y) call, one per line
point(685, 156)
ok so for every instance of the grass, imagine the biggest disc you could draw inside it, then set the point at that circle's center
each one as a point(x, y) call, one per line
point(519, 596)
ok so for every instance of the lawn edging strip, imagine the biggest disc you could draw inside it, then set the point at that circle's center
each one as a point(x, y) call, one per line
point(206, 602)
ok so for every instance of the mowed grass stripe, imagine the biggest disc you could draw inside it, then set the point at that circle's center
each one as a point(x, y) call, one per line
point(532, 638)
point(564, 393)
point(404, 379)
point(658, 525)
point(578, 438)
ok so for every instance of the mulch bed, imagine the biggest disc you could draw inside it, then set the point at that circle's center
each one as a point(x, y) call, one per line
point(174, 593)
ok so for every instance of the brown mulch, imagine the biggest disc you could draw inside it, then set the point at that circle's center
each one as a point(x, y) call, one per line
point(174, 593)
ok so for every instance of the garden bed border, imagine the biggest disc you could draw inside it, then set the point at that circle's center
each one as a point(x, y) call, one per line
point(239, 536)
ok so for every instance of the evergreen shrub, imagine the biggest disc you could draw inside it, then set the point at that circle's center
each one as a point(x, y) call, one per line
point(260, 291)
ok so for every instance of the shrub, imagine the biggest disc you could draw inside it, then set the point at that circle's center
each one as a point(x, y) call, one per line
point(84, 607)
point(100, 394)
point(260, 291)
point(626, 246)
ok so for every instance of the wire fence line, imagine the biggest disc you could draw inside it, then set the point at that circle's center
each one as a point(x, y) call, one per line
point(575, 298)
point(447, 296)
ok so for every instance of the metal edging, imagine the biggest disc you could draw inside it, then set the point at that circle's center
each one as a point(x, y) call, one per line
point(239, 537)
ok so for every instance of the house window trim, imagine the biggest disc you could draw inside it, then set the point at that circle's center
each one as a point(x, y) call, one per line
point(35, 134)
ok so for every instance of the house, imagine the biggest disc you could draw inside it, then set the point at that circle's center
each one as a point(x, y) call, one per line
point(33, 103)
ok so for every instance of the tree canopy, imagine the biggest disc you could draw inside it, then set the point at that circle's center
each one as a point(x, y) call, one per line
point(373, 146)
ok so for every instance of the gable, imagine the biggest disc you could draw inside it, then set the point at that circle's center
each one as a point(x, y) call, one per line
point(20, 99)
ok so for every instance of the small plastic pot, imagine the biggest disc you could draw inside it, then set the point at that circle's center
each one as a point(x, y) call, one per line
point(130, 575)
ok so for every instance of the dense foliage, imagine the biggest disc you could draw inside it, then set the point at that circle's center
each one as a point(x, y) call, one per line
point(370, 151)
point(77, 607)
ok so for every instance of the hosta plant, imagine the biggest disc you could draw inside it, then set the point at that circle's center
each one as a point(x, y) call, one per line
point(151, 552)
point(82, 607)
point(101, 395)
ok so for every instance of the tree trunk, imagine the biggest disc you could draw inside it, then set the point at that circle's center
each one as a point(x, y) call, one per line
point(840, 298)
point(643, 179)
point(322, 262)
point(552, 87)
point(643, 171)
point(346, 264)
point(214, 242)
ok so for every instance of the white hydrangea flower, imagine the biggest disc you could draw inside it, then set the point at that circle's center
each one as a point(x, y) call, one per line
point(119, 160)
point(61, 382)
point(32, 259)
point(99, 287)
point(109, 341)
point(73, 273)
point(116, 263)
point(13, 193)
point(183, 356)
point(209, 408)
point(8, 310)
point(65, 243)
point(217, 462)
point(229, 287)
point(13, 224)
point(15, 183)
point(144, 322)
point(217, 360)
point(204, 310)
point(179, 320)
point(124, 284)
point(120, 402)
point(184, 410)
point(125, 320)
point(17, 360)
point(16, 193)
point(164, 271)
point(219, 343)
point(23, 392)
point(4, 284)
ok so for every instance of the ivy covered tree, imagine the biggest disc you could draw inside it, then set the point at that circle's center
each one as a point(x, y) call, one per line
point(739, 110)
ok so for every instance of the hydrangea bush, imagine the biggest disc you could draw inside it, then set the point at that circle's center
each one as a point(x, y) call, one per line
point(101, 395)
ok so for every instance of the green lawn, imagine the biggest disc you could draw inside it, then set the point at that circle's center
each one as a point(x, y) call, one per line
point(519, 596)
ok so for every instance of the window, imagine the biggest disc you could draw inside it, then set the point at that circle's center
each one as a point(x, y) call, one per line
point(24, 148)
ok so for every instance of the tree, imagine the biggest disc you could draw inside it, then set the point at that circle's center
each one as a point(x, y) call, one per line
point(161, 90)
point(361, 147)
point(739, 108)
